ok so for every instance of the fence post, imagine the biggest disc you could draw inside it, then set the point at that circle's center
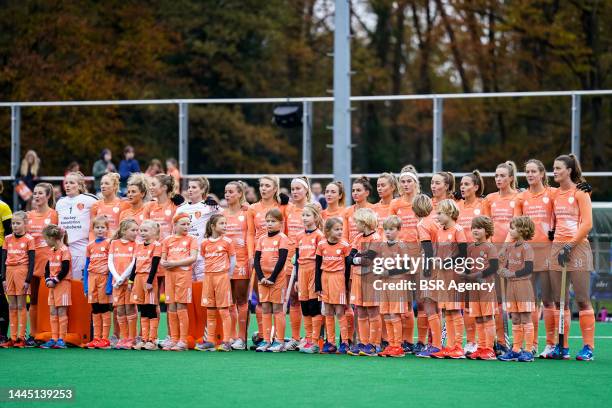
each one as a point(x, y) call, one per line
point(576, 107)
point(438, 110)
point(307, 137)
point(15, 147)
point(184, 138)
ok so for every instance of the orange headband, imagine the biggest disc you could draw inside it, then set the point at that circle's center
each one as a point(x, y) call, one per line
point(178, 217)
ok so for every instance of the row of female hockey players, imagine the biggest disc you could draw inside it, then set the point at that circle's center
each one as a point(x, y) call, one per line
point(317, 262)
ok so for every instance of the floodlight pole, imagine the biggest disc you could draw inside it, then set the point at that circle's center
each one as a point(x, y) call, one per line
point(342, 94)
point(307, 137)
point(576, 108)
point(183, 138)
point(438, 110)
point(15, 148)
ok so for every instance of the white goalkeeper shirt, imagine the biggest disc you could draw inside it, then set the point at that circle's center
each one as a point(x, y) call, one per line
point(74, 215)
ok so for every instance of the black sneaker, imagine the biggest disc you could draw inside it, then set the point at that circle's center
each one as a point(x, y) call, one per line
point(31, 342)
point(257, 341)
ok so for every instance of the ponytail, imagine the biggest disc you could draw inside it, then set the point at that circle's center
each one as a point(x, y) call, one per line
point(541, 169)
point(511, 167)
point(449, 180)
point(476, 178)
point(572, 163)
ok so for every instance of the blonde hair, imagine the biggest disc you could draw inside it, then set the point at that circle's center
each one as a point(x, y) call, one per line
point(80, 179)
point(100, 219)
point(449, 208)
point(341, 192)
point(48, 192)
point(422, 205)
point(114, 179)
point(366, 217)
point(329, 225)
point(316, 213)
point(511, 167)
point(524, 225)
point(24, 164)
point(393, 221)
point(151, 224)
point(485, 223)
point(541, 169)
point(449, 180)
point(276, 182)
point(392, 180)
point(241, 186)
point(20, 214)
point(203, 183)
point(123, 226)
point(409, 168)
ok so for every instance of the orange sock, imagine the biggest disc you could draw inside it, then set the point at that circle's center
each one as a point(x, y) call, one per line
point(388, 325)
point(549, 325)
point(458, 323)
point(266, 322)
point(97, 325)
point(363, 326)
point(398, 331)
point(344, 330)
point(233, 312)
point(470, 327)
point(123, 327)
point(144, 328)
point(375, 330)
point(489, 326)
point(407, 320)
point(106, 324)
point(33, 319)
point(211, 326)
point(63, 326)
point(132, 320)
point(436, 330)
point(587, 327)
point(226, 320)
point(308, 328)
point(259, 318)
point(14, 323)
point(173, 324)
point(153, 325)
point(480, 331)
point(528, 331)
point(499, 327)
point(317, 321)
point(535, 319)
point(383, 331)
point(450, 330)
point(350, 322)
point(54, 327)
point(280, 323)
point(517, 336)
point(183, 318)
point(243, 311)
point(23, 322)
point(422, 327)
point(295, 318)
point(330, 328)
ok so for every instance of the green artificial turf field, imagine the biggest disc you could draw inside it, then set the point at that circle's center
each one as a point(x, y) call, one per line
point(109, 378)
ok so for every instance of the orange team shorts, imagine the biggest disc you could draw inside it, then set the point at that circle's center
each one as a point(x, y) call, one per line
point(541, 256)
point(426, 286)
point(15, 279)
point(41, 257)
point(241, 271)
point(275, 293)
point(482, 302)
point(140, 294)
point(334, 288)
point(395, 300)
point(60, 295)
point(121, 295)
point(306, 281)
point(363, 292)
point(519, 295)
point(216, 290)
point(581, 257)
point(178, 287)
point(450, 298)
point(96, 288)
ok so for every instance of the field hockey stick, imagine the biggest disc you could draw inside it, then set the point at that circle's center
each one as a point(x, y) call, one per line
point(289, 289)
point(502, 282)
point(562, 307)
point(249, 304)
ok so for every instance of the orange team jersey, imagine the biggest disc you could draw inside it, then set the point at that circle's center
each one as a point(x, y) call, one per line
point(123, 253)
point(333, 255)
point(307, 244)
point(427, 229)
point(136, 215)
point(177, 248)
point(293, 224)
point(97, 252)
point(217, 254)
point(447, 240)
point(256, 219)
point(382, 212)
point(538, 207)
point(362, 243)
point(236, 229)
point(573, 215)
point(485, 252)
point(517, 255)
point(327, 213)
point(467, 212)
point(37, 221)
point(269, 248)
point(161, 214)
point(17, 249)
point(55, 262)
point(350, 228)
point(500, 210)
point(144, 256)
point(111, 211)
point(403, 209)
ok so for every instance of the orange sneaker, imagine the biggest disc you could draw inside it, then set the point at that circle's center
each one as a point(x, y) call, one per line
point(456, 353)
point(442, 353)
point(475, 355)
point(92, 344)
point(395, 351)
point(487, 354)
point(7, 344)
point(20, 343)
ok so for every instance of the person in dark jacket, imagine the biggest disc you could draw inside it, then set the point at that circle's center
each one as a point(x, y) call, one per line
point(127, 167)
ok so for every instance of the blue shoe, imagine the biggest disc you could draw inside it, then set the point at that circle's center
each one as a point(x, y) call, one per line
point(263, 346)
point(59, 344)
point(586, 354)
point(525, 357)
point(560, 353)
point(355, 349)
point(383, 345)
point(48, 345)
point(328, 348)
point(369, 350)
point(510, 355)
point(418, 348)
point(408, 347)
point(427, 352)
point(343, 349)
point(500, 349)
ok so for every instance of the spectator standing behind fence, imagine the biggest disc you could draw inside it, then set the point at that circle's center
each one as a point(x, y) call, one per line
point(154, 168)
point(101, 167)
point(317, 195)
point(173, 170)
point(127, 167)
point(26, 179)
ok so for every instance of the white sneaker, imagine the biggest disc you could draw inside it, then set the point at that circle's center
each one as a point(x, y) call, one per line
point(302, 343)
point(277, 347)
point(548, 350)
point(470, 348)
point(179, 346)
point(113, 341)
point(291, 345)
point(238, 344)
point(163, 343)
